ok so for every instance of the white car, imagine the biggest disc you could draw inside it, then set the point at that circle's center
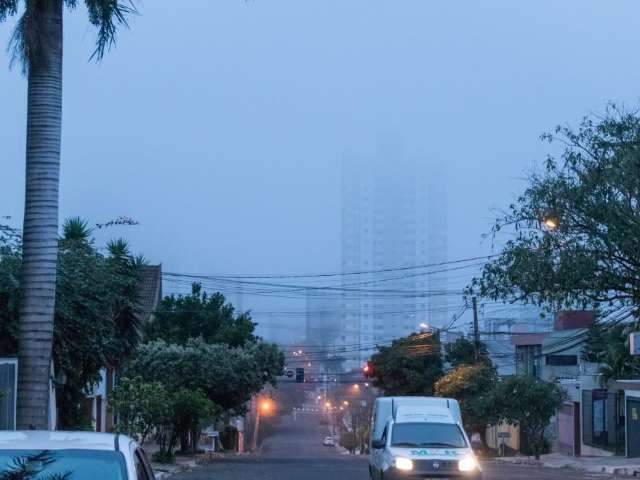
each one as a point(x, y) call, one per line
point(329, 442)
point(80, 455)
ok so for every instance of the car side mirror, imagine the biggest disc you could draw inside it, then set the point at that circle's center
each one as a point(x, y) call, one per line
point(377, 444)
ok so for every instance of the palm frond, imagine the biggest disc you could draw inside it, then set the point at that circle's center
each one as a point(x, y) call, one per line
point(75, 228)
point(118, 248)
point(8, 8)
point(18, 46)
point(107, 16)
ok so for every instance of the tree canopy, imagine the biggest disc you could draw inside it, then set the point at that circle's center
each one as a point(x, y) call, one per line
point(576, 226)
point(182, 317)
point(227, 375)
point(463, 352)
point(471, 385)
point(529, 403)
point(409, 366)
point(96, 322)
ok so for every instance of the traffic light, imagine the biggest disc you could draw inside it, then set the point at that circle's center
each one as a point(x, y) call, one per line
point(299, 375)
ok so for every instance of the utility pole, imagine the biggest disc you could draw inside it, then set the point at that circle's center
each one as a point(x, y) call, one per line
point(476, 332)
point(256, 429)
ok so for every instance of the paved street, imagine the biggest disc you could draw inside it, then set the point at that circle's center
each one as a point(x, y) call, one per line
point(295, 452)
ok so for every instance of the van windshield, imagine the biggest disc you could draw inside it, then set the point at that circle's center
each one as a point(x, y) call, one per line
point(424, 434)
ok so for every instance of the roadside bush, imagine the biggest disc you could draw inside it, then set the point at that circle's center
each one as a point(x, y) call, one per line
point(349, 441)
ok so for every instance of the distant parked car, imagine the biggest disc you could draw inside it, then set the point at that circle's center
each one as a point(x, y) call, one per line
point(75, 455)
point(329, 442)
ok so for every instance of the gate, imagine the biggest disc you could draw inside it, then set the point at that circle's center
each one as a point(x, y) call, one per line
point(8, 389)
point(633, 427)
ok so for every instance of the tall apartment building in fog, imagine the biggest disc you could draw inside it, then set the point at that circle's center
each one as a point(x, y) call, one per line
point(393, 215)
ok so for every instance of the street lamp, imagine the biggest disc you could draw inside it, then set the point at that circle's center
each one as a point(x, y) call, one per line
point(550, 221)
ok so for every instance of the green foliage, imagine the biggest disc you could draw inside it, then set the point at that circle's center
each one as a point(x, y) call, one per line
point(10, 261)
point(410, 366)
point(191, 411)
point(529, 403)
point(471, 385)
point(180, 318)
point(462, 352)
point(349, 441)
point(139, 407)
point(228, 376)
point(105, 15)
point(95, 295)
point(608, 345)
point(592, 258)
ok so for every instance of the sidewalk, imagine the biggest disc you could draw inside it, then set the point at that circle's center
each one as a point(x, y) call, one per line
point(188, 462)
point(611, 465)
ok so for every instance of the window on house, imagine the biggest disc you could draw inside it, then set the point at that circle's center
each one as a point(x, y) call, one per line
point(561, 360)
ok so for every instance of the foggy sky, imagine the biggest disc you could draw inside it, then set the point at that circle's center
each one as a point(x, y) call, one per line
point(220, 125)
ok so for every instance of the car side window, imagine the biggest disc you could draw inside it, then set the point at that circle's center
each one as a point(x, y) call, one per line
point(143, 469)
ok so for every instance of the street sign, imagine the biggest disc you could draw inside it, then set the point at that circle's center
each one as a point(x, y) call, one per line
point(504, 435)
point(299, 375)
point(290, 373)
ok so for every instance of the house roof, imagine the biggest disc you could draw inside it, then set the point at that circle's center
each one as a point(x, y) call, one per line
point(150, 290)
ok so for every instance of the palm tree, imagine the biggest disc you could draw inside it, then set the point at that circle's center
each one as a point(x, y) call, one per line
point(37, 44)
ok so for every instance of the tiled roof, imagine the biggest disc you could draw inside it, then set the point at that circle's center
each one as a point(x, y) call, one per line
point(150, 290)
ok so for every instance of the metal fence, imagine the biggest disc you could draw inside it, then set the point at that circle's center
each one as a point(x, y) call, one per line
point(603, 420)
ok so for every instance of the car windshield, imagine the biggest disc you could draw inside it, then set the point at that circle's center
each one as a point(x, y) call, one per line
point(67, 464)
point(444, 435)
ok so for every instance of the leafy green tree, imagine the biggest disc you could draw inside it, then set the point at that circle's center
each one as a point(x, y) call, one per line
point(409, 366)
point(10, 261)
point(463, 352)
point(191, 411)
point(529, 403)
point(139, 407)
point(180, 318)
point(349, 441)
point(95, 295)
point(228, 376)
point(472, 386)
point(608, 346)
point(576, 227)
point(37, 43)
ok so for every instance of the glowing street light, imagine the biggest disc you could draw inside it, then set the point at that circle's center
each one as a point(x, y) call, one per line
point(328, 404)
point(266, 406)
point(550, 222)
point(424, 326)
point(345, 403)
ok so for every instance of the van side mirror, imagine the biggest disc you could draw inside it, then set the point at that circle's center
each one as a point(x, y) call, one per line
point(377, 444)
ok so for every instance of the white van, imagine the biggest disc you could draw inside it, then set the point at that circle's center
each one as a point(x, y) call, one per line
point(420, 437)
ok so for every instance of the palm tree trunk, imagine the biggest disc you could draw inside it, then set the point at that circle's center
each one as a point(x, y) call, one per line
point(40, 233)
